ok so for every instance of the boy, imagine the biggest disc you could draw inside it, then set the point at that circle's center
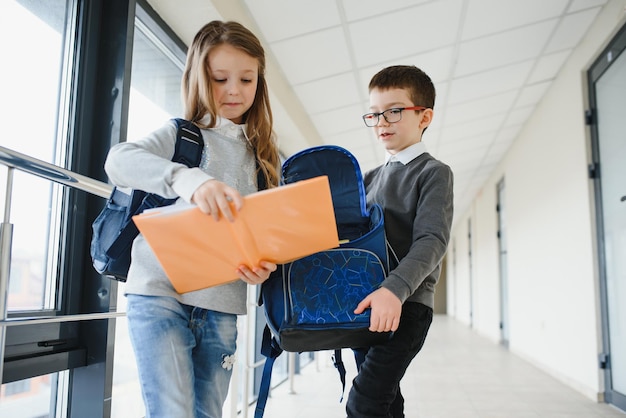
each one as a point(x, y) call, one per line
point(415, 192)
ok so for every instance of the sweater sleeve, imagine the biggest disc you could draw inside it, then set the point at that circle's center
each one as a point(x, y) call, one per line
point(146, 165)
point(430, 234)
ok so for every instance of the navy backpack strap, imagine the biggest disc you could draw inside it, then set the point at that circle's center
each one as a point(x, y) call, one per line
point(341, 369)
point(271, 350)
point(359, 357)
point(188, 151)
point(189, 143)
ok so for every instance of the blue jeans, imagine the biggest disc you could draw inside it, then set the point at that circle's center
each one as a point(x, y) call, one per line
point(184, 354)
point(375, 391)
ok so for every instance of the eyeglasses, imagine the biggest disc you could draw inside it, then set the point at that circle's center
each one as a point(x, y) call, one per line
point(392, 115)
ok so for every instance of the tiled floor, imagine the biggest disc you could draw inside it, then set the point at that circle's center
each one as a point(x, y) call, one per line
point(458, 374)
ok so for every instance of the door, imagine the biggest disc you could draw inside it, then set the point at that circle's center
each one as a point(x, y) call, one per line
point(471, 276)
point(502, 258)
point(608, 90)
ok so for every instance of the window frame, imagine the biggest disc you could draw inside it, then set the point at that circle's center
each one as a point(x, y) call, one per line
point(92, 116)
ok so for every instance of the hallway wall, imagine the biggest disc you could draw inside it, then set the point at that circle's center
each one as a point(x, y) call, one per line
point(552, 275)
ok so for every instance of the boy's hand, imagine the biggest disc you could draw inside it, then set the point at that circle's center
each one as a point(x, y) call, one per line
point(386, 310)
point(213, 197)
point(257, 275)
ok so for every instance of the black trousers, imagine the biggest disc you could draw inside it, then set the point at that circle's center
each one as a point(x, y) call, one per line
point(375, 390)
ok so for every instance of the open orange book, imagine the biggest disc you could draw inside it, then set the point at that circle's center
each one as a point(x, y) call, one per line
point(277, 225)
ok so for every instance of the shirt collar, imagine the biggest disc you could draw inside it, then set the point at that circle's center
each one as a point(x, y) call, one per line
point(226, 127)
point(220, 122)
point(408, 154)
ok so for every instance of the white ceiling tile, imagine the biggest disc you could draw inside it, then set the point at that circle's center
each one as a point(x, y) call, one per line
point(186, 28)
point(456, 149)
point(571, 30)
point(488, 83)
point(441, 101)
point(475, 127)
point(434, 129)
point(366, 74)
point(436, 124)
point(313, 56)
point(485, 17)
point(519, 116)
point(508, 134)
point(462, 180)
point(437, 64)
point(359, 9)
point(281, 19)
point(467, 161)
point(328, 93)
point(585, 4)
point(484, 172)
point(368, 153)
point(548, 66)
point(503, 48)
point(405, 34)
point(497, 151)
point(339, 120)
point(352, 139)
point(432, 142)
point(493, 157)
point(499, 103)
point(532, 94)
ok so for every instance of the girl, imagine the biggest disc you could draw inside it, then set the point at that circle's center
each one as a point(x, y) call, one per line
point(185, 343)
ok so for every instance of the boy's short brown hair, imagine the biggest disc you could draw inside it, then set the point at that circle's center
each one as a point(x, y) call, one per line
point(418, 84)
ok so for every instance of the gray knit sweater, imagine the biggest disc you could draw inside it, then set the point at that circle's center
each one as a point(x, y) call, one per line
point(146, 165)
point(417, 202)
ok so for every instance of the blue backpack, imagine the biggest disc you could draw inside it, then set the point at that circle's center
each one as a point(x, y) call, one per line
point(309, 303)
point(113, 229)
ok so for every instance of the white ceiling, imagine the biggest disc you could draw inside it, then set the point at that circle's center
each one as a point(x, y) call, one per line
point(491, 62)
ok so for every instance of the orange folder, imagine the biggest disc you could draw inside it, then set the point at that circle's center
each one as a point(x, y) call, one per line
point(277, 225)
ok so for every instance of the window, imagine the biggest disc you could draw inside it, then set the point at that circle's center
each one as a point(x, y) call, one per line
point(28, 398)
point(31, 94)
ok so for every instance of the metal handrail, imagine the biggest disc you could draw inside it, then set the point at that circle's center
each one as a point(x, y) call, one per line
point(16, 160)
point(54, 173)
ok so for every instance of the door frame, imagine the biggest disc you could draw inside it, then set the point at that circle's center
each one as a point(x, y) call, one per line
point(615, 48)
point(502, 265)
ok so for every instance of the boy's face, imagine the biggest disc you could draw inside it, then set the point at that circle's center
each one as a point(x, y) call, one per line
point(408, 130)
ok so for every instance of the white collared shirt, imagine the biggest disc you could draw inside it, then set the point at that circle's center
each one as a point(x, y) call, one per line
point(408, 154)
point(226, 127)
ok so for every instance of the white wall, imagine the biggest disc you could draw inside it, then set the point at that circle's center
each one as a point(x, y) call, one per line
point(553, 279)
point(486, 264)
point(458, 283)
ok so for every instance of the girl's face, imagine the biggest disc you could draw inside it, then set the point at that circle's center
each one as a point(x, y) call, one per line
point(234, 78)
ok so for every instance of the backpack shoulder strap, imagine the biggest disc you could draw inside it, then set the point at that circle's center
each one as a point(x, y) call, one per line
point(188, 151)
point(189, 143)
point(271, 350)
point(341, 369)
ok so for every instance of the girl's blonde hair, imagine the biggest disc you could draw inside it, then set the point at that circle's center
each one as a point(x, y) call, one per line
point(197, 94)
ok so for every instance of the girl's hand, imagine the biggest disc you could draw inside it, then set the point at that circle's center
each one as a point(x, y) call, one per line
point(213, 197)
point(258, 274)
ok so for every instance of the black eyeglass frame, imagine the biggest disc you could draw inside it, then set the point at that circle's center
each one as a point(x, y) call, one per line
point(369, 116)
